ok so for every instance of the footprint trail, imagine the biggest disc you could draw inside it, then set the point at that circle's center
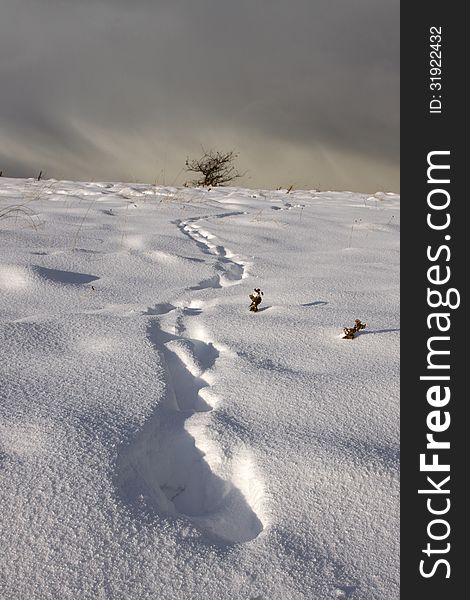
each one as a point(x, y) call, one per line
point(173, 464)
point(231, 268)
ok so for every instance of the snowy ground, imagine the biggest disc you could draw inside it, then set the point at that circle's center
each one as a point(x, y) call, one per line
point(158, 440)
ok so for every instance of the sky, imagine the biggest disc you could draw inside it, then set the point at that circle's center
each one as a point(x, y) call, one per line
point(306, 91)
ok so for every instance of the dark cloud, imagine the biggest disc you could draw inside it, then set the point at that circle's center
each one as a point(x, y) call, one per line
point(305, 90)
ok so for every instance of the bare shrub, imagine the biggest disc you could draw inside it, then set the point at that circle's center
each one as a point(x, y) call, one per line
point(216, 168)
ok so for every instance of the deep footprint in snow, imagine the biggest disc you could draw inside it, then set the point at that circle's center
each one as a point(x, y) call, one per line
point(212, 282)
point(168, 465)
point(231, 270)
point(164, 464)
point(345, 591)
point(160, 309)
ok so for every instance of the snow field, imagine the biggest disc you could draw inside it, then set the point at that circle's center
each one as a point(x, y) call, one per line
point(157, 440)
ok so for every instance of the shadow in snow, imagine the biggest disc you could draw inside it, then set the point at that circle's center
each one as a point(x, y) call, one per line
point(263, 308)
point(191, 311)
point(317, 303)
point(66, 277)
point(191, 259)
point(373, 331)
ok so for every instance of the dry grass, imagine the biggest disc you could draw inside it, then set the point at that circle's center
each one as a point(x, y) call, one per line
point(23, 212)
point(19, 211)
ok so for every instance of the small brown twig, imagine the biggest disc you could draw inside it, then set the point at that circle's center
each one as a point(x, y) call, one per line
point(350, 332)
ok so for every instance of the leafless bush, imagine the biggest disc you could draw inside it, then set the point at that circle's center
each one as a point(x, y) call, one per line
point(216, 168)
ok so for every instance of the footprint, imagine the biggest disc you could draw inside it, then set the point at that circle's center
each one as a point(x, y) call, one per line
point(221, 251)
point(213, 282)
point(166, 465)
point(186, 361)
point(232, 271)
point(160, 309)
point(172, 465)
point(345, 591)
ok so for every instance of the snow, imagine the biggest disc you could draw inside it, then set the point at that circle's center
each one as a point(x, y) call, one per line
point(157, 439)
